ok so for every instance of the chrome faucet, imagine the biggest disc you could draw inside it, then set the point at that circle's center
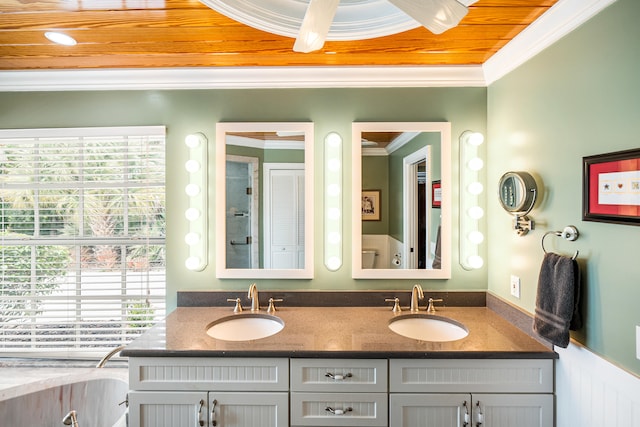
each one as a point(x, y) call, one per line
point(416, 294)
point(109, 355)
point(70, 419)
point(253, 294)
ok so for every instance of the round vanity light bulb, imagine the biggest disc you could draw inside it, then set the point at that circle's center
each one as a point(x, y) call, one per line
point(333, 214)
point(475, 164)
point(475, 188)
point(192, 239)
point(192, 190)
point(475, 261)
point(192, 166)
point(333, 165)
point(333, 190)
point(192, 140)
point(476, 237)
point(333, 139)
point(192, 263)
point(192, 214)
point(476, 212)
point(475, 138)
point(333, 238)
point(334, 263)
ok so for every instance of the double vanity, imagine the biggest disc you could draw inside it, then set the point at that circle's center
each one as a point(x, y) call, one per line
point(308, 365)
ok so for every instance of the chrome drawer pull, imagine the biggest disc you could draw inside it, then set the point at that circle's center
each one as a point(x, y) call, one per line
point(338, 411)
point(338, 376)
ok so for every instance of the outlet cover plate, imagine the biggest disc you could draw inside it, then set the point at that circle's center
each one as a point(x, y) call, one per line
point(515, 286)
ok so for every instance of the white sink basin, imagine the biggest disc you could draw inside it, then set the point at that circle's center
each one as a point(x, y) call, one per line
point(245, 327)
point(426, 327)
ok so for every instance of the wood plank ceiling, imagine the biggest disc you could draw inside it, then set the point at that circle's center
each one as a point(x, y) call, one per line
point(186, 33)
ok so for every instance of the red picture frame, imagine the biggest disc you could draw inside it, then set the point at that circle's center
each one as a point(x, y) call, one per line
point(611, 187)
point(436, 194)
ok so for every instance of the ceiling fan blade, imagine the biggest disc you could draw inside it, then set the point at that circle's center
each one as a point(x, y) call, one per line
point(436, 15)
point(315, 25)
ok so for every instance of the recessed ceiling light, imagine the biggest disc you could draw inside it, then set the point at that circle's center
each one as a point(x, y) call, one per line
point(60, 38)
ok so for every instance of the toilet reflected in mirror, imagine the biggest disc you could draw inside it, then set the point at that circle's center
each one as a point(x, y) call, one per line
point(369, 258)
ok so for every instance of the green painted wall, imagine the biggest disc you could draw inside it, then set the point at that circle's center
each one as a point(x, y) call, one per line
point(184, 112)
point(375, 176)
point(577, 98)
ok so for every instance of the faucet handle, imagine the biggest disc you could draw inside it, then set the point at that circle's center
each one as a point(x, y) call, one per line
point(431, 308)
point(238, 307)
point(272, 307)
point(396, 304)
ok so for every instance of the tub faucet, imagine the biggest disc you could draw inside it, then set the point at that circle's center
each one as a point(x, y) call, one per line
point(109, 355)
point(416, 294)
point(253, 294)
point(70, 419)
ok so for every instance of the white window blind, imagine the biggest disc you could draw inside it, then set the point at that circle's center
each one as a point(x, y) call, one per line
point(82, 238)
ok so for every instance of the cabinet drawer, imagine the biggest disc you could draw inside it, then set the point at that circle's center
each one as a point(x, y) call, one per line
point(222, 374)
point(471, 376)
point(339, 375)
point(339, 409)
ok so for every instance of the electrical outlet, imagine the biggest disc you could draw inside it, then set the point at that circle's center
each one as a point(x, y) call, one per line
point(638, 342)
point(515, 286)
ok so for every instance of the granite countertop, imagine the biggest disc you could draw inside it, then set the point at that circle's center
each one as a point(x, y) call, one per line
point(336, 332)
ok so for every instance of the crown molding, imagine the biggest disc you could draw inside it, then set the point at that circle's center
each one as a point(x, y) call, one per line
point(561, 19)
point(239, 78)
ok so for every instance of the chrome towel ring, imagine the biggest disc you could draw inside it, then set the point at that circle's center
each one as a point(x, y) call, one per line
point(570, 233)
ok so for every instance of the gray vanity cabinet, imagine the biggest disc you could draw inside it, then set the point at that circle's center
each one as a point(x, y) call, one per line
point(166, 409)
point(471, 393)
point(192, 391)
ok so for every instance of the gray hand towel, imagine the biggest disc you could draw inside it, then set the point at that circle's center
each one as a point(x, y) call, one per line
point(557, 300)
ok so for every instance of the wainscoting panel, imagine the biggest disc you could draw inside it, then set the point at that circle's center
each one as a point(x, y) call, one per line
point(592, 392)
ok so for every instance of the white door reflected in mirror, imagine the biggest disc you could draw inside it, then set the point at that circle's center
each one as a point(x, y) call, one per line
point(264, 209)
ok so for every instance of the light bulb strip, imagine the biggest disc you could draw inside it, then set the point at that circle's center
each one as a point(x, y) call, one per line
point(333, 201)
point(196, 193)
point(471, 196)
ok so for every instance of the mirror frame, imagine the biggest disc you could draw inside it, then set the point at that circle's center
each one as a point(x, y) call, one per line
point(444, 128)
point(222, 272)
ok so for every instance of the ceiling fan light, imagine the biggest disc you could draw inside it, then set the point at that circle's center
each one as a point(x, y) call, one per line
point(436, 15)
point(315, 25)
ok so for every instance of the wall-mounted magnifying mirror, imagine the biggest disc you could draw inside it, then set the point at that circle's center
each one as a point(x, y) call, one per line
point(401, 218)
point(264, 200)
point(517, 192)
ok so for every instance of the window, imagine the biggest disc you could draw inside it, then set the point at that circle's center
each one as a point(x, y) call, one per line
point(82, 238)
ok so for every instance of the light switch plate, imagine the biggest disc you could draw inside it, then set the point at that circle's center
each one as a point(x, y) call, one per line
point(515, 286)
point(638, 342)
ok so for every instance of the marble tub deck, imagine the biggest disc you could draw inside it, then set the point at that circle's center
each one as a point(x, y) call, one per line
point(19, 381)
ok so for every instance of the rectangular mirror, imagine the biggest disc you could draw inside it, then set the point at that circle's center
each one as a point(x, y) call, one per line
point(401, 217)
point(264, 200)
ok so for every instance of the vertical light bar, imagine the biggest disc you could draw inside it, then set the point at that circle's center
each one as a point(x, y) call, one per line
point(196, 191)
point(333, 201)
point(471, 191)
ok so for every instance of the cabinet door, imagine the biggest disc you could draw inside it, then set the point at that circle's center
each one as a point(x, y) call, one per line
point(167, 409)
point(508, 410)
point(248, 409)
point(430, 410)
